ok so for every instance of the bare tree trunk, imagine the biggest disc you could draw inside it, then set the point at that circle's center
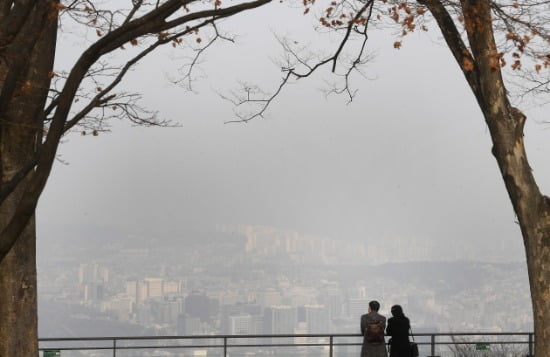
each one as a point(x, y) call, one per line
point(533, 212)
point(25, 71)
point(481, 68)
point(506, 125)
point(538, 262)
point(18, 304)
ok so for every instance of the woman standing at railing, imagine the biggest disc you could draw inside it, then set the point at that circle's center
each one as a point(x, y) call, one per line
point(398, 328)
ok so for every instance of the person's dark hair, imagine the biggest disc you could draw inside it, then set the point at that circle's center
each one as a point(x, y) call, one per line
point(374, 305)
point(397, 311)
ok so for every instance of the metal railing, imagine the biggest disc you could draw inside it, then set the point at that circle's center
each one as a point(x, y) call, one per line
point(330, 345)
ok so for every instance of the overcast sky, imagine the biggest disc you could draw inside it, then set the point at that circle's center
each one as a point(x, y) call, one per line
point(409, 157)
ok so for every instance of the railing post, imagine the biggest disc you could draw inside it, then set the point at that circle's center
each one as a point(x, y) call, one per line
point(114, 347)
point(432, 345)
point(330, 346)
point(531, 345)
point(224, 346)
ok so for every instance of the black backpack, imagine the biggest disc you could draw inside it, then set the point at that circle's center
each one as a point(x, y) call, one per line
point(374, 332)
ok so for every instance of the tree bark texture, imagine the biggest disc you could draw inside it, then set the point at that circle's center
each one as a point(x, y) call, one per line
point(481, 68)
point(28, 37)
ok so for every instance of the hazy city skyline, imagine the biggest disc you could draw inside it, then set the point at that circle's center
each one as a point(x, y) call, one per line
point(409, 157)
point(198, 286)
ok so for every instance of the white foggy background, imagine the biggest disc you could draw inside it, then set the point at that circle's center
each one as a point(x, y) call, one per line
point(408, 158)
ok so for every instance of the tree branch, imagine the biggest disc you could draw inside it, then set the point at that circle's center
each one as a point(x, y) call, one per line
point(187, 76)
point(8, 187)
point(351, 24)
point(100, 99)
point(291, 72)
point(152, 22)
point(455, 43)
point(137, 4)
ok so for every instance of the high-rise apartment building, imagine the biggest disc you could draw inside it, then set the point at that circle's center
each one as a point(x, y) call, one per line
point(137, 291)
point(279, 319)
point(242, 324)
point(317, 319)
point(154, 287)
point(92, 273)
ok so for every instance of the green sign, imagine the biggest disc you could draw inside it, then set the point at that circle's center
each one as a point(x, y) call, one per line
point(483, 346)
point(52, 353)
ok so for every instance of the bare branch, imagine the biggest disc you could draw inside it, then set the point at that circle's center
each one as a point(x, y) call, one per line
point(264, 103)
point(137, 4)
point(351, 25)
point(7, 188)
point(359, 19)
point(152, 22)
point(104, 99)
point(189, 68)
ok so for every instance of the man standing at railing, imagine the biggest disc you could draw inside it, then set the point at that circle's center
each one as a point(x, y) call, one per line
point(372, 328)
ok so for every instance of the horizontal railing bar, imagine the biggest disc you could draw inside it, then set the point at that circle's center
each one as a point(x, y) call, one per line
point(198, 346)
point(473, 334)
point(77, 348)
point(124, 338)
point(187, 337)
point(514, 342)
point(119, 338)
point(50, 342)
point(283, 345)
point(294, 344)
point(475, 342)
point(99, 338)
point(278, 345)
point(163, 347)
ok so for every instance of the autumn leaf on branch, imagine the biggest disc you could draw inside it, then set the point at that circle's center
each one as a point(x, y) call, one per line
point(467, 64)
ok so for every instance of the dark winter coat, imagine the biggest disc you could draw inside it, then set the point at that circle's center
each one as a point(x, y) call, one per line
point(398, 329)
